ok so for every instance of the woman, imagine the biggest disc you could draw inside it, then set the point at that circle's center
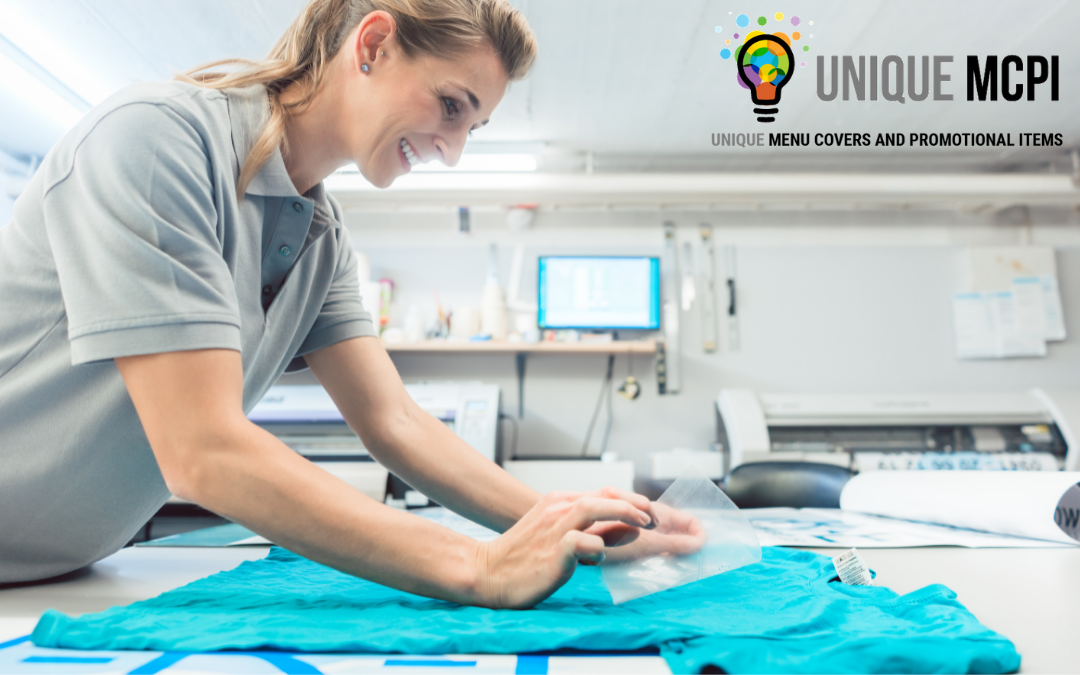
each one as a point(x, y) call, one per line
point(176, 253)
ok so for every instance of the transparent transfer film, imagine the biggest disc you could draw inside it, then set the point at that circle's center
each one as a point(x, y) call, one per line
point(701, 534)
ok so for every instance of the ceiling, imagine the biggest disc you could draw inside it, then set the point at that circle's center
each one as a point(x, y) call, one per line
point(638, 84)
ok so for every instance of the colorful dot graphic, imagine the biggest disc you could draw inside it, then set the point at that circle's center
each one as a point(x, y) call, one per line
point(767, 66)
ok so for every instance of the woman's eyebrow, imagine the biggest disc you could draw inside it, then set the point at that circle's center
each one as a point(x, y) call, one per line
point(472, 97)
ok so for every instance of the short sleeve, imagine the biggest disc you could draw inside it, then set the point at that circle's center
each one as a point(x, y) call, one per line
point(342, 316)
point(135, 234)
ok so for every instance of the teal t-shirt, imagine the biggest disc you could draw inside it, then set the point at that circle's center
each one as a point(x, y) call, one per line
point(784, 614)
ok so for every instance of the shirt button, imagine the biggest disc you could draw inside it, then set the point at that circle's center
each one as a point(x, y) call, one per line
point(267, 290)
point(285, 251)
point(297, 206)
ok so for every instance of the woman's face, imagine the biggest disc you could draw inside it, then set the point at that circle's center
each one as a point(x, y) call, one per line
point(403, 112)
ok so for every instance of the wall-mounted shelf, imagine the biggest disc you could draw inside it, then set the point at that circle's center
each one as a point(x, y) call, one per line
point(521, 351)
point(448, 347)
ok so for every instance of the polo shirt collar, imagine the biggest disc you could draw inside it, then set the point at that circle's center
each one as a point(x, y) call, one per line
point(249, 109)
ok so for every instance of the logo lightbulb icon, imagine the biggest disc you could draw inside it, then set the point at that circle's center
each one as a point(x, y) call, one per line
point(764, 65)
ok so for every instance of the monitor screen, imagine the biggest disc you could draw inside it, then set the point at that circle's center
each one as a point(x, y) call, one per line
point(599, 292)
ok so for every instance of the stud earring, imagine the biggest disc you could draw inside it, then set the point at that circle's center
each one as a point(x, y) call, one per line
point(382, 53)
point(364, 67)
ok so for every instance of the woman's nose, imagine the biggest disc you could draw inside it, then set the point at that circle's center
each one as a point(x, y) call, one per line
point(450, 149)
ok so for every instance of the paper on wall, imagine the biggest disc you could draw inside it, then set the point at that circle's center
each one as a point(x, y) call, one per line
point(1020, 504)
point(1038, 306)
point(1013, 302)
point(1055, 314)
point(999, 324)
point(1029, 307)
point(992, 268)
point(1016, 334)
point(974, 327)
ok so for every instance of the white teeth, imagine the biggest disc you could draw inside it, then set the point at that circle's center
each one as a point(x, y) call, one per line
point(409, 154)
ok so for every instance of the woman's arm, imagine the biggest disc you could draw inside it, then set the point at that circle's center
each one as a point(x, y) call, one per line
point(190, 405)
point(411, 443)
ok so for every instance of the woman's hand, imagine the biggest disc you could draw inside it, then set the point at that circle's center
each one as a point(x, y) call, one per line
point(677, 533)
point(532, 559)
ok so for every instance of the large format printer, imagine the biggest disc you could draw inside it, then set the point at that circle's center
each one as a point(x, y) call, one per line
point(1035, 430)
point(305, 418)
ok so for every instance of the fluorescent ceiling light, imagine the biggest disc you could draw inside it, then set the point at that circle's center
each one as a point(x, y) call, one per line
point(33, 43)
point(37, 94)
point(745, 189)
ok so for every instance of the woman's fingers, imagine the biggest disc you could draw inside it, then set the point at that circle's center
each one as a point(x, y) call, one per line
point(583, 546)
point(589, 510)
point(640, 502)
point(614, 534)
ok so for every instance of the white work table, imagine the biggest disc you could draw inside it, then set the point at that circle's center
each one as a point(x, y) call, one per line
point(1031, 596)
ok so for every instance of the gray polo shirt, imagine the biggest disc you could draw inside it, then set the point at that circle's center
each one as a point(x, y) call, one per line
point(130, 239)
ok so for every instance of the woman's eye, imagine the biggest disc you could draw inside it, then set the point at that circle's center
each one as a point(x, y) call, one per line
point(451, 106)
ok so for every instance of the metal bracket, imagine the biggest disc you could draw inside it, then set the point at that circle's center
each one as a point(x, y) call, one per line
point(708, 290)
point(670, 286)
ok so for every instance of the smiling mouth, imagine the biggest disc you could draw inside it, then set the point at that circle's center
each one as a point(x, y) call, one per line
point(410, 154)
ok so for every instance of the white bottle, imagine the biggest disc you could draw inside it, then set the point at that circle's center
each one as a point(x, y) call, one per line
point(493, 312)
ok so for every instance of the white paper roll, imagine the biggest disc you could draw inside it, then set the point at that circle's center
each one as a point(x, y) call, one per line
point(1017, 503)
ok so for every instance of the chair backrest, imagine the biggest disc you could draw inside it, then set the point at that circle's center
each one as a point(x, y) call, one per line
point(795, 484)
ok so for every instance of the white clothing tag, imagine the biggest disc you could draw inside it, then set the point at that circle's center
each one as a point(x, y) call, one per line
point(852, 569)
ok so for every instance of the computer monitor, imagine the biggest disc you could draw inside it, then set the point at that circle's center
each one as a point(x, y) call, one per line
point(599, 292)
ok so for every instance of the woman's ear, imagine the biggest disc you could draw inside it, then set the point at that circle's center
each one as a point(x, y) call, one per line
point(375, 31)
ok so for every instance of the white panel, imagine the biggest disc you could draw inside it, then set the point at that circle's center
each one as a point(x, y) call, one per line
point(367, 477)
point(917, 409)
point(744, 421)
point(1064, 407)
point(574, 476)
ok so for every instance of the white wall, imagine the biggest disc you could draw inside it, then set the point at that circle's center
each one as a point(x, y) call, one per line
point(828, 307)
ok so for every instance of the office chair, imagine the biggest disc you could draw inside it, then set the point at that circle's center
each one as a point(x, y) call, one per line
point(794, 484)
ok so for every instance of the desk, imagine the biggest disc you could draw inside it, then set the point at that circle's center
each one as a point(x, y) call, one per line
point(1032, 596)
point(1029, 595)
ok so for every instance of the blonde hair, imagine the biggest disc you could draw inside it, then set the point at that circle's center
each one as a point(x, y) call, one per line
point(442, 28)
